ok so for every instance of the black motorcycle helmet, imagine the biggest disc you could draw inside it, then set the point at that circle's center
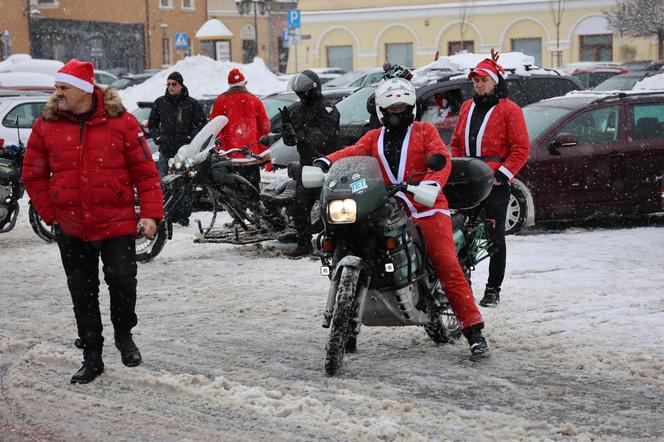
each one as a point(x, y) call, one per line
point(307, 86)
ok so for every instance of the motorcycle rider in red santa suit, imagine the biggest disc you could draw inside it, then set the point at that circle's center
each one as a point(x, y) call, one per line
point(402, 147)
point(492, 128)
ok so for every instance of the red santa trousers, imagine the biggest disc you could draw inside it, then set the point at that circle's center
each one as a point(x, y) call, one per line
point(437, 230)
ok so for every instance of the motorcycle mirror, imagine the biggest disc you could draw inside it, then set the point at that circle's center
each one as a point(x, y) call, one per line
point(423, 194)
point(312, 177)
point(269, 139)
point(436, 162)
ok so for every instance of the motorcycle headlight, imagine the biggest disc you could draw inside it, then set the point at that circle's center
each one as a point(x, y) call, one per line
point(177, 161)
point(342, 211)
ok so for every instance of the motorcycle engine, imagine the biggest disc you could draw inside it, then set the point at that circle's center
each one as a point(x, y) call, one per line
point(5, 195)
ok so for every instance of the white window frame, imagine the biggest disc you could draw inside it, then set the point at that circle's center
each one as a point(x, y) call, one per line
point(169, 6)
point(47, 4)
point(192, 6)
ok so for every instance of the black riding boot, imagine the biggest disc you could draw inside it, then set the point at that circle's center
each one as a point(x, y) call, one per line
point(92, 366)
point(478, 345)
point(131, 357)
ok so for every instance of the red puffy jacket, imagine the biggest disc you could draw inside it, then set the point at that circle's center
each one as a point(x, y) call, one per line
point(247, 120)
point(83, 175)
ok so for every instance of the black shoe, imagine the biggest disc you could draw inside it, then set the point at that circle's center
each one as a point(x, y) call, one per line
point(351, 344)
point(92, 367)
point(478, 345)
point(299, 252)
point(491, 297)
point(184, 222)
point(131, 357)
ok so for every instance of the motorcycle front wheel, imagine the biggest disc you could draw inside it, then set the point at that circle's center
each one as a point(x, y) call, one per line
point(148, 248)
point(44, 231)
point(340, 328)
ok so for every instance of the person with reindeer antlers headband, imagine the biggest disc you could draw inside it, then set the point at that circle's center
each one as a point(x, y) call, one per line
point(491, 127)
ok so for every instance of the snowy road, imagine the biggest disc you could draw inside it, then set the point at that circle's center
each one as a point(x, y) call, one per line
point(233, 350)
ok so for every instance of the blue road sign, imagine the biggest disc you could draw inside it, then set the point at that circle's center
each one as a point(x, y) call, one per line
point(294, 18)
point(181, 40)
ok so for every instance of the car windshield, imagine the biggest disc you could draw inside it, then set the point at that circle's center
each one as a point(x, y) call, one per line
point(273, 104)
point(120, 84)
point(617, 83)
point(353, 108)
point(345, 79)
point(539, 118)
point(142, 113)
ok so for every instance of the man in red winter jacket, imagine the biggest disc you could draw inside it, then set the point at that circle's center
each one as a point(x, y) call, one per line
point(247, 121)
point(85, 155)
point(491, 127)
point(402, 147)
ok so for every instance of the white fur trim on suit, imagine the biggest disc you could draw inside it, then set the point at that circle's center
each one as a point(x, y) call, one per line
point(83, 85)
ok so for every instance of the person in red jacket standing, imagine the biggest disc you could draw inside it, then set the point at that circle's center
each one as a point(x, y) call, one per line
point(402, 147)
point(491, 127)
point(84, 157)
point(247, 121)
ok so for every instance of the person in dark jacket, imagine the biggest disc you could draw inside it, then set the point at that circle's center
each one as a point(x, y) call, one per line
point(492, 127)
point(85, 156)
point(314, 128)
point(174, 120)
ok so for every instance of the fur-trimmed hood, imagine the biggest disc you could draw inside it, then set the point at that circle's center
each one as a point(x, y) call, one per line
point(110, 97)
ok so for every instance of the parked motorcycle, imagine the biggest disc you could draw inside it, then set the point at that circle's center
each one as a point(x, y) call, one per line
point(12, 190)
point(375, 255)
point(199, 166)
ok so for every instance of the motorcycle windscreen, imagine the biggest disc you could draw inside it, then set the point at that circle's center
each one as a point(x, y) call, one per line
point(358, 178)
point(204, 139)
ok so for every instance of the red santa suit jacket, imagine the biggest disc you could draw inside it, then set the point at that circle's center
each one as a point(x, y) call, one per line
point(502, 135)
point(247, 120)
point(421, 141)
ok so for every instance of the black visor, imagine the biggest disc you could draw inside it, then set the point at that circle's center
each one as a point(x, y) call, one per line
point(301, 83)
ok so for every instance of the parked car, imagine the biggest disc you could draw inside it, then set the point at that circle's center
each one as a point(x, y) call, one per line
point(591, 155)
point(356, 79)
point(131, 80)
point(18, 111)
point(104, 78)
point(457, 89)
point(643, 65)
point(592, 76)
point(623, 82)
point(27, 81)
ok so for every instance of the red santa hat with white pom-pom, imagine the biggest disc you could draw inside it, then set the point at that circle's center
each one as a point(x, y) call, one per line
point(236, 78)
point(80, 74)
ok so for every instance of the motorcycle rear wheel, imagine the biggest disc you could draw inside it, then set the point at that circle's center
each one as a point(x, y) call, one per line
point(44, 231)
point(340, 327)
point(443, 326)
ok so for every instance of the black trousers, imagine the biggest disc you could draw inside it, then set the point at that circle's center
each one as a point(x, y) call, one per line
point(304, 201)
point(80, 260)
point(495, 207)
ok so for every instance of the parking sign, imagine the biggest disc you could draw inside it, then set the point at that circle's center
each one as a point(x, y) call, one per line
point(294, 18)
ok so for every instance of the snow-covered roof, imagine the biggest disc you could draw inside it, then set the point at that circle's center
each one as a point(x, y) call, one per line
point(213, 29)
point(656, 82)
point(25, 63)
point(26, 79)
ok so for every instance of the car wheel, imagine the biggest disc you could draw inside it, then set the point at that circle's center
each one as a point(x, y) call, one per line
point(517, 210)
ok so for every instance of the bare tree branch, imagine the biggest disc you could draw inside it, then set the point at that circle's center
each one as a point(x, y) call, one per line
point(639, 18)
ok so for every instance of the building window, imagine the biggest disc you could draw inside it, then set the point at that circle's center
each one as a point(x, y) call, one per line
point(596, 47)
point(399, 53)
point(166, 43)
point(529, 46)
point(454, 47)
point(166, 4)
point(248, 51)
point(47, 3)
point(188, 4)
point(340, 57)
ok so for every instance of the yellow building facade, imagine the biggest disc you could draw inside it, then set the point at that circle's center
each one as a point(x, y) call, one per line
point(361, 34)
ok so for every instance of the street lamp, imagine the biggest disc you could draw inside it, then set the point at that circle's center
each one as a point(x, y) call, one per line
point(244, 7)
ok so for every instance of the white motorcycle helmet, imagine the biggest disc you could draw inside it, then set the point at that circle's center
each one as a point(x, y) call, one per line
point(394, 91)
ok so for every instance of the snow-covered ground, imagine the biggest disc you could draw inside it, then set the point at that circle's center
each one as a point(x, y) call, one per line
point(233, 350)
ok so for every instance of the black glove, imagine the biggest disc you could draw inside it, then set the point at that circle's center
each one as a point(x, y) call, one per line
point(288, 135)
point(322, 165)
point(501, 177)
point(157, 140)
point(285, 115)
